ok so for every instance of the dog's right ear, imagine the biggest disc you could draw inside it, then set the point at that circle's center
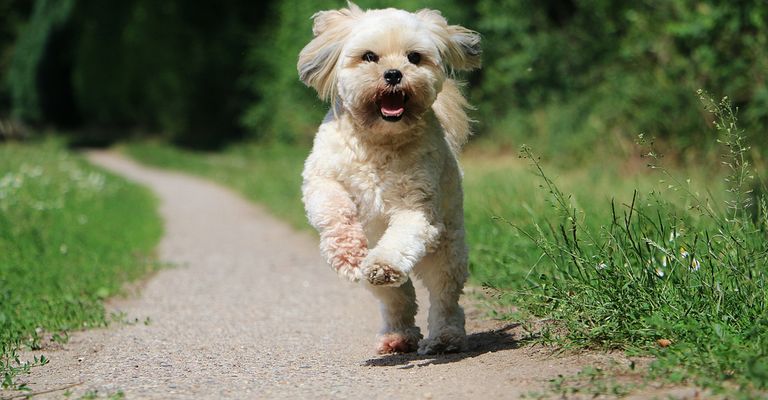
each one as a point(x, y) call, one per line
point(318, 59)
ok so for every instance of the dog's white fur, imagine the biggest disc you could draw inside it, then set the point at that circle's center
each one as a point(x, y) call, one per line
point(386, 196)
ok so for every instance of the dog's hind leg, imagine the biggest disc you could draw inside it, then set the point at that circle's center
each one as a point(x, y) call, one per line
point(398, 310)
point(444, 277)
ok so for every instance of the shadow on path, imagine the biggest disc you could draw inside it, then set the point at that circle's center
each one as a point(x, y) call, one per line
point(477, 344)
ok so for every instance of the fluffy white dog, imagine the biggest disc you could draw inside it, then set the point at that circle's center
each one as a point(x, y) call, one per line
point(382, 184)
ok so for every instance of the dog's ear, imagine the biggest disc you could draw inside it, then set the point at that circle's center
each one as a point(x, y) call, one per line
point(318, 59)
point(459, 47)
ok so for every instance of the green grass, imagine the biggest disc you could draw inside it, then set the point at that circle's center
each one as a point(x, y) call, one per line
point(621, 255)
point(671, 264)
point(70, 236)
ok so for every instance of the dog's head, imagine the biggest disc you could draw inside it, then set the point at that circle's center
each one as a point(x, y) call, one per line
point(386, 67)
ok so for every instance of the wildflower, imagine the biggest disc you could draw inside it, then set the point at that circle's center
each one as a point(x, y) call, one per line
point(695, 265)
point(684, 253)
point(601, 266)
point(659, 272)
point(664, 261)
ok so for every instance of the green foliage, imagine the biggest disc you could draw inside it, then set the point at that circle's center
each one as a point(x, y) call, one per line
point(565, 75)
point(48, 18)
point(61, 251)
point(12, 14)
point(169, 66)
point(284, 107)
point(569, 74)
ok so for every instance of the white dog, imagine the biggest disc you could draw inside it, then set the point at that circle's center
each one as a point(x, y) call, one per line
point(382, 184)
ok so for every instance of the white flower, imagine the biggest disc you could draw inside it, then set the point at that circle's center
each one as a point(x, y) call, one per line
point(684, 253)
point(601, 266)
point(695, 265)
point(664, 261)
point(659, 272)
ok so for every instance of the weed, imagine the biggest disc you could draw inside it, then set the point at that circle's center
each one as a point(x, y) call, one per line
point(692, 278)
point(11, 367)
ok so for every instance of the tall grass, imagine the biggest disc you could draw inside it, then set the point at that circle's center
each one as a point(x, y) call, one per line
point(672, 264)
point(70, 236)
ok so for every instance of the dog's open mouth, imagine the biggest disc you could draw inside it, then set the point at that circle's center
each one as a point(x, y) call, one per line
point(392, 105)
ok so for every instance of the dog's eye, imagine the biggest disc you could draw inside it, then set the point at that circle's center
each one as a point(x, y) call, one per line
point(414, 58)
point(370, 56)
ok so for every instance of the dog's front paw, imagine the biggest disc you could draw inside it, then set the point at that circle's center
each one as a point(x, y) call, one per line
point(384, 268)
point(384, 275)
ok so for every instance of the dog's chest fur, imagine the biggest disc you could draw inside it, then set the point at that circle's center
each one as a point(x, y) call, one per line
point(381, 179)
point(386, 180)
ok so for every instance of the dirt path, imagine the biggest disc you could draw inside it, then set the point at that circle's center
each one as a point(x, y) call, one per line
point(251, 311)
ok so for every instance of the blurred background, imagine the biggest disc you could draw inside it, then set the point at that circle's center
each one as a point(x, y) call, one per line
point(567, 76)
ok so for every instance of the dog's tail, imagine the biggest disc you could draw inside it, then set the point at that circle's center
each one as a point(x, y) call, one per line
point(451, 107)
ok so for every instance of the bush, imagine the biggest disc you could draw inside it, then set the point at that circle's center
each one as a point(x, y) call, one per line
point(169, 66)
point(12, 15)
point(32, 51)
point(575, 73)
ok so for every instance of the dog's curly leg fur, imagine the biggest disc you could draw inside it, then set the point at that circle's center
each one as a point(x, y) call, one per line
point(333, 214)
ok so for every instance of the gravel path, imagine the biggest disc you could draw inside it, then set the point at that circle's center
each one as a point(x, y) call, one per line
point(251, 311)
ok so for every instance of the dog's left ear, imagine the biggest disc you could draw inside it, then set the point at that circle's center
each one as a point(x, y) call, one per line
point(318, 59)
point(459, 47)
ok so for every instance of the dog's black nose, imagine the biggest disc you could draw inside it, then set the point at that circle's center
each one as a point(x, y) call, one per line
point(393, 76)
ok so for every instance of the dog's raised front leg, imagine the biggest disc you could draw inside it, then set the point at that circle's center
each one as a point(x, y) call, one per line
point(406, 240)
point(333, 213)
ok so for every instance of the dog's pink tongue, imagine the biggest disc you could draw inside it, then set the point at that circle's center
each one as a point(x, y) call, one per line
point(393, 104)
